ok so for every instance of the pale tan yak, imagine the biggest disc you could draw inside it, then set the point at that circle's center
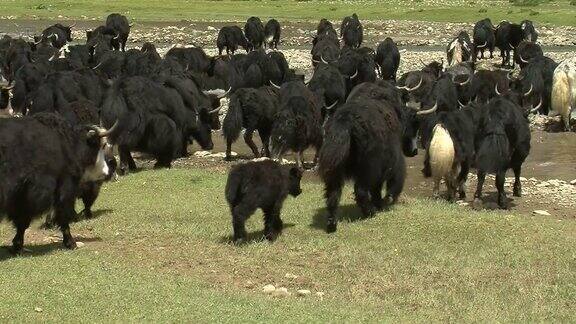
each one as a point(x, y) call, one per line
point(443, 163)
point(564, 90)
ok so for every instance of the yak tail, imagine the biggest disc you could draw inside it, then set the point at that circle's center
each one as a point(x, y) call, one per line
point(494, 152)
point(335, 149)
point(441, 153)
point(232, 124)
point(561, 96)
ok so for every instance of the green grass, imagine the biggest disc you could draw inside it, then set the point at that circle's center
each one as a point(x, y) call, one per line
point(558, 12)
point(160, 251)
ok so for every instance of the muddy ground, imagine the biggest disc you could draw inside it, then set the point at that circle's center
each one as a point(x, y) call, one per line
point(547, 173)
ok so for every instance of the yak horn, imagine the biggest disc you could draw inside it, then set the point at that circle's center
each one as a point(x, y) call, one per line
point(522, 59)
point(428, 111)
point(315, 61)
point(461, 104)
point(274, 85)
point(73, 24)
point(529, 91)
point(97, 66)
point(323, 60)
point(460, 83)
point(332, 105)
point(215, 110)
point(535, 109)
point(117, 36)
point(354, 75)
point(509, 75)
point(496, 89)
point(416, 87)
point(104, 133)
point(483, 45)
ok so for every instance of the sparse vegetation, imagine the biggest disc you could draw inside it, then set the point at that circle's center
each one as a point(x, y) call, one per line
point(160, 251)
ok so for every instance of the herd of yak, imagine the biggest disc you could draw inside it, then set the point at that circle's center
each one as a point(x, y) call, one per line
point(68, 107)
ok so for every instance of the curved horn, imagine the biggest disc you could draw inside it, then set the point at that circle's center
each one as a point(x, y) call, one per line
point(496, 89)
point(117, 36)
point(461, 83)
point(461, 104)
point(416, 87)
point(274, 85)
point(332, 105)
point(522, 59)
point(97, 66)
point(56, 36)
point(535, 109)
point(354, 75)
point(428, 111)
point(73, 24)
point(509, 75)
point(215, 110)
point(529, 91)
point(217, 92)
point(483, 45)
point(323, 60)
point(315, 61)
point(225, 93)
point(105, 133)
point(38, 42)
point(512, 46)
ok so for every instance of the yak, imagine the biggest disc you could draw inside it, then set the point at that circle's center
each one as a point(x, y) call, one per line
point(564, 90)
point(272, 33)
point(262, 184)
point(387, 59)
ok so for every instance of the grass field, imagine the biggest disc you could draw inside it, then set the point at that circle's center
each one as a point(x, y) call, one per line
point(559, 12)
point(160, 251)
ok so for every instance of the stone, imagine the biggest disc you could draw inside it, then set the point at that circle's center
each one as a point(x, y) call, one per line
point(573, 182)
point(542, 213)
point(303, 292)
point(268, 289)
point(291, 276)
point(80, 244)
point(38, 309)
point(281, 292)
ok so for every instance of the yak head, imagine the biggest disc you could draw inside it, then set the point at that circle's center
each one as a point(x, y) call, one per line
point(96, 154)
point(294, 177)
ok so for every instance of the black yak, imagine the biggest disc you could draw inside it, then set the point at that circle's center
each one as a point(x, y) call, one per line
point(254, 32)
point(252, 109)
point(365, 141)
point(262, 184)
point(120, 25)
point(272, 33)
point(298, 123)
point(503, 142)
point(484, 38)
point(351, 31)
point(388, 59)
point(230, 37)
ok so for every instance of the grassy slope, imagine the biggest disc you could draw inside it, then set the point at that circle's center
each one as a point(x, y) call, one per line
point(558, 12)
point(161, 253)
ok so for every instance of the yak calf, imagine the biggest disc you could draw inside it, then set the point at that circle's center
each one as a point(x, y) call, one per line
point(263, 184)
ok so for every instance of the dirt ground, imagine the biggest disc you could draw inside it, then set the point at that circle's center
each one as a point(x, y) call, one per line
point(547, 173)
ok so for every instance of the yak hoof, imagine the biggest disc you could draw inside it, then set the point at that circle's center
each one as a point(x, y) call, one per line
point(272, 236)
point(477, 203)
point(228, 158)
point(70, 244)
point(87, 213)
point(16, 250)
point(517, 191)
point(331, 228)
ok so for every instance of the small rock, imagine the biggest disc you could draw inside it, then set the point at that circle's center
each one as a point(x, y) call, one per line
point(542, 213)
point(80, 244)
point(281, 292)
point(291, 276)
point(38, 309)
point(573, 182)
point(268, 289)
point(303, 292)
point(202, 153)
point(249, 284)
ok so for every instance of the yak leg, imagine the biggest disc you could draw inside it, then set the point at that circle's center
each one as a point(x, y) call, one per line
point(500, 178)
point(481, 177)
point(240, 213)
point(21, 222)
point(64, 211)
point(376, 195)
point(333, 193)
point(248, 139)
point(395, 184)
point(272, 222)
point(461, 181)
point(363, 199)
point(89, 196)
point(517, 184)
point(436, 190)
point(265, 137)
point(228, 150)
point(126, 160)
